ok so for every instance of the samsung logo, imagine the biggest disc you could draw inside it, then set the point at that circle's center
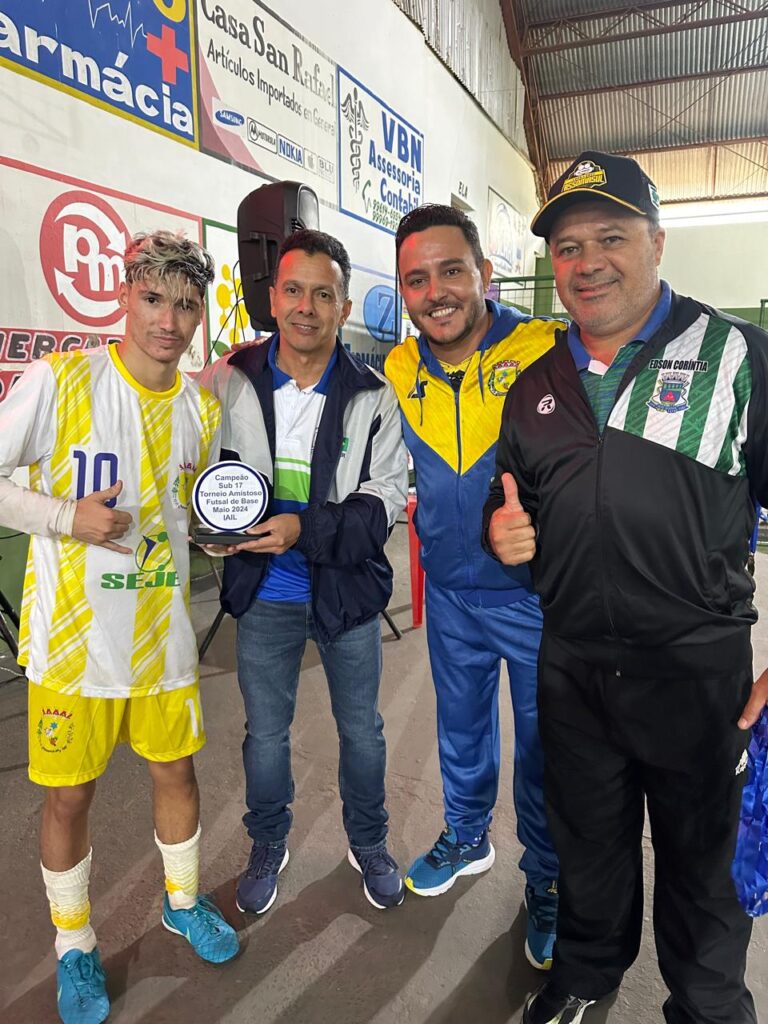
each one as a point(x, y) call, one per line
point(231, 118)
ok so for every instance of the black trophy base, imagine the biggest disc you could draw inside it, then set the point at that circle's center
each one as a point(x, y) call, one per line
point(225, 538)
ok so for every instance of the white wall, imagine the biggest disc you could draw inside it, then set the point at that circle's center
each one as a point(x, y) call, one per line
point(717, 252)
point(54, 143)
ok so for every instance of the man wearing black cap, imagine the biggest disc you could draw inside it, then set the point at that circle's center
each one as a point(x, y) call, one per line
point(638, 446)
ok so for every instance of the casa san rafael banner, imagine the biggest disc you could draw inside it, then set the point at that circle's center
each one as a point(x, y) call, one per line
point(267, 95)
point(131, 57)
point(273, 102)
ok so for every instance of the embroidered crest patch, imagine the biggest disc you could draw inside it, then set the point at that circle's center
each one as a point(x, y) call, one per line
point(55, 730)
point(503, 376)
point(587, 174)
point(671, 393)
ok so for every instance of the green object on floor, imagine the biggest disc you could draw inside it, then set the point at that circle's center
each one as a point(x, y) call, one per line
point(13, 561)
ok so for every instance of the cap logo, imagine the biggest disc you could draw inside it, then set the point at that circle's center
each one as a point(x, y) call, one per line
point(586, 174)
point(654, 195)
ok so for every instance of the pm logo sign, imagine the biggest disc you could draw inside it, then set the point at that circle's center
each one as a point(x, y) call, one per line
point(381, 157)
point(82, 241)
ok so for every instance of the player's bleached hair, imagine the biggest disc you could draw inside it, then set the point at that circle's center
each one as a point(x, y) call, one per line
point(166, 255)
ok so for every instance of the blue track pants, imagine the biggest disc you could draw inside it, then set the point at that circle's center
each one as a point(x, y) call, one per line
point(467, 644)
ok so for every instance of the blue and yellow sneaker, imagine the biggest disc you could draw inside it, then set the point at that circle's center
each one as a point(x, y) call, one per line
point(436, 871)
point(204, 927)
point(81, 988)
point(541, 904)
point(382, 884)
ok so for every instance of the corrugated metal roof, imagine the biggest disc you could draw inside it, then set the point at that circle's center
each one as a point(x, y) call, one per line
point(636, 78)
point(542, 15)
point(550, 10)
point(720, 48)
point(707, 172)
point(654, 117)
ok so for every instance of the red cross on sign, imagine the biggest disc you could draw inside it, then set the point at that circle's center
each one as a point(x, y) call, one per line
point(164, 47)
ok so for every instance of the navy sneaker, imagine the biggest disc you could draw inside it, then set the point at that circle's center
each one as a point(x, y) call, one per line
point(382, 884)
point(435, 872)
point(257, 888)
point(541, 904)
point(549, 1007)
point(81, 989)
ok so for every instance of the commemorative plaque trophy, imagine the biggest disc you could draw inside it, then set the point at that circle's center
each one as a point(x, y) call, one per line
point(229, 498)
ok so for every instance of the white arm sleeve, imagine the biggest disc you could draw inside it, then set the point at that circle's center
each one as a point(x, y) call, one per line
point(27, 434)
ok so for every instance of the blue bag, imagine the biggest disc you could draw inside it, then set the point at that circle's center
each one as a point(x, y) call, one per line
point(750, 864)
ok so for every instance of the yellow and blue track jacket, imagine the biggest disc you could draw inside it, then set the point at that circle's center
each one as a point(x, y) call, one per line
point(452, 437)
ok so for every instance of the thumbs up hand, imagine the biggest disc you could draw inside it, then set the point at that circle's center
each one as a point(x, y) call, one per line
point(96, 524)
point(510, 533)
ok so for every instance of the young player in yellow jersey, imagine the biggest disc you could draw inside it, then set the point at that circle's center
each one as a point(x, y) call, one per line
point(114, 439)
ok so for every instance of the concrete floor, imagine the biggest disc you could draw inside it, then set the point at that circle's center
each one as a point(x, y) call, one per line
point(322, 954)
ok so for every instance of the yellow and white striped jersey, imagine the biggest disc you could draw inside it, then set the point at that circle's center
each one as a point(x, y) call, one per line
point(96, 622)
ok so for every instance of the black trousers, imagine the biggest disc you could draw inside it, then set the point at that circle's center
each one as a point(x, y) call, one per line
point(611, 745)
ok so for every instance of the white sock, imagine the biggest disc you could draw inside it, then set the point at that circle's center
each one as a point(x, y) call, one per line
point(181, 863)
point(70, 907)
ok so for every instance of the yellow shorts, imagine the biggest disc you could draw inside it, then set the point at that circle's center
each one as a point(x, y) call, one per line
point(71, 738)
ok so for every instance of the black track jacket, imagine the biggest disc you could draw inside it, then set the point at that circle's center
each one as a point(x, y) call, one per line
point(643, 534)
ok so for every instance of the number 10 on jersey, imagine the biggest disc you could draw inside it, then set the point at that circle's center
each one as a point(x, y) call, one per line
point(94, 472)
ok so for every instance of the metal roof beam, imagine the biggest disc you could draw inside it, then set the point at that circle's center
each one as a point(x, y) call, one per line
point(645, 11)
point(676, 147)
point(628, 86)
point(657, 31)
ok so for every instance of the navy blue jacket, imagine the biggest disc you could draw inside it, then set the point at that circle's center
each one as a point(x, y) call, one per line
point(358, 485)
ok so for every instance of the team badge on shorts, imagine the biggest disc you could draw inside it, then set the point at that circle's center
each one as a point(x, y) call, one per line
point(671, 393)
point(503, 376)
point(55, 730)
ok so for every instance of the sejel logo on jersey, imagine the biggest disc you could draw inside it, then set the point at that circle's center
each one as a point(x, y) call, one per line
point(154, 561)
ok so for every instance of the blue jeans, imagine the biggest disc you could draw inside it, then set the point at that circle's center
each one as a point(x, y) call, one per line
point(467, 644)
point(271, 637)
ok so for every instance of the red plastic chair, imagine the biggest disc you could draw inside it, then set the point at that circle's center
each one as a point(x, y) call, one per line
point(417, 573)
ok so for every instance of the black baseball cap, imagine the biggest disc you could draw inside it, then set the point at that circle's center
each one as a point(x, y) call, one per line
point(599, 176)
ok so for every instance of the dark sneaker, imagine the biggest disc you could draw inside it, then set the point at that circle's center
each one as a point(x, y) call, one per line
point(81, 989)
point(435, 872)
point(257, 888)
point(382, 883)
point(541, 904)
point(549, 1007)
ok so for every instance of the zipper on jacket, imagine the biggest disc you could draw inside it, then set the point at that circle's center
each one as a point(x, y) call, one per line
point(464, 552)
point(598, 488)
point(598, 517)
point(323, 633)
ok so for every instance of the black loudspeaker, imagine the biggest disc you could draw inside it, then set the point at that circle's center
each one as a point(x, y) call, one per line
point(265, 218)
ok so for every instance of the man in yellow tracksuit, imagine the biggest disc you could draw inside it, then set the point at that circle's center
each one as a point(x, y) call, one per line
point(451, 382)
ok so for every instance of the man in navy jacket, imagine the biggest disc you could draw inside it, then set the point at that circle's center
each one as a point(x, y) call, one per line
point(325, 429)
